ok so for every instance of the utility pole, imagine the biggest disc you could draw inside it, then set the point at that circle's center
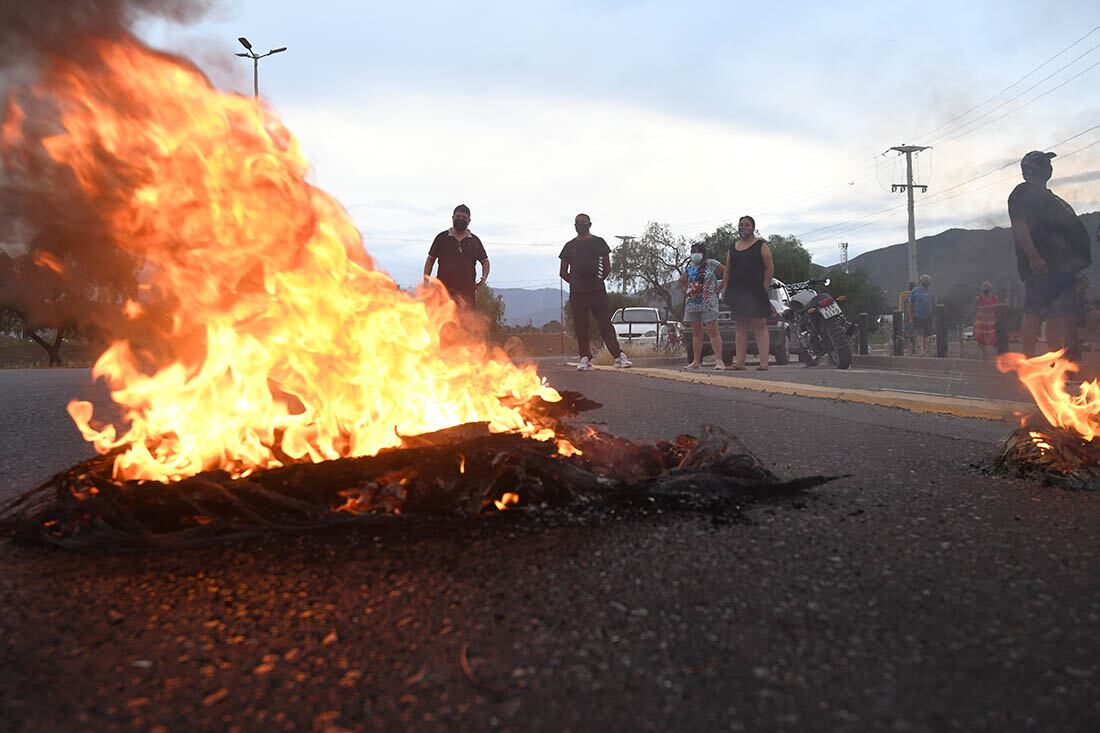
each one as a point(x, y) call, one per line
point(844, 250)
point(908, 188)
point(256, 62)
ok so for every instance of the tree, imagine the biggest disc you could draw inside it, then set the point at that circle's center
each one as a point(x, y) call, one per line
point(861, 293)
point(491, 306)
point(792, 261)
point(655, 261)
point(718, 242)
point(551, 327)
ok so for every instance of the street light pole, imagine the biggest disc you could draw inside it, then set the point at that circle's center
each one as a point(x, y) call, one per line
point(256, 62)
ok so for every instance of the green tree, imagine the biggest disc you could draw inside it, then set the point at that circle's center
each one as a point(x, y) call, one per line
point(491, 306)
point(792, 261)
point(717, 243)
point(654, 261)
point(861, 293)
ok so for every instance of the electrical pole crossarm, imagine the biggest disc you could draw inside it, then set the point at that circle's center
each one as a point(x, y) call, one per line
point(908, 187)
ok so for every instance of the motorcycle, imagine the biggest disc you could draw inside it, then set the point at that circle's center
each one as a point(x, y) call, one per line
point(820, 324)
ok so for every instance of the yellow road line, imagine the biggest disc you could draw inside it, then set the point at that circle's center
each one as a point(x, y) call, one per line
point(912, 401)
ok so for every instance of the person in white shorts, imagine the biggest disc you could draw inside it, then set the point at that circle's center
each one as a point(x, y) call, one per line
point(702, 281)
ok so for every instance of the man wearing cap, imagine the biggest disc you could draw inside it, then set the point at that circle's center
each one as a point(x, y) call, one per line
point(457, 250)
point(1052, 245)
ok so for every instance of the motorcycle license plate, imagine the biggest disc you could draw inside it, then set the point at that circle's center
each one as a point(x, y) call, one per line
point(828, 311)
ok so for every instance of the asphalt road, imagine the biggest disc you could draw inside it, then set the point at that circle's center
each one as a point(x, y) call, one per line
point(916, 594)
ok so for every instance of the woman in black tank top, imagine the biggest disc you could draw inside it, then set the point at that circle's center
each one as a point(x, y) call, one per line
point(749, 271)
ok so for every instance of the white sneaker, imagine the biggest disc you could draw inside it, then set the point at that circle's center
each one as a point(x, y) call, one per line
point(719, 366)
point(585, 364)
point(621, 362)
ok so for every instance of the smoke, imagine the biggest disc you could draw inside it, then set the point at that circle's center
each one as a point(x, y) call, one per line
point(30, 29)
point(65, 270)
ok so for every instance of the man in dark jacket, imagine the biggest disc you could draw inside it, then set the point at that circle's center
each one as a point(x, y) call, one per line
point(1052, 246)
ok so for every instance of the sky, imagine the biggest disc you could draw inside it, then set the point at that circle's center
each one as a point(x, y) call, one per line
point(689, 113)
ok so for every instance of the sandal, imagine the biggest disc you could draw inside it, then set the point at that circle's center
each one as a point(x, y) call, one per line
point(736, 368)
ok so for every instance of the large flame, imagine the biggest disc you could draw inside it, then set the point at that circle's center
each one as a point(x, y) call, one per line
point(1045, 378)
point(282, 343)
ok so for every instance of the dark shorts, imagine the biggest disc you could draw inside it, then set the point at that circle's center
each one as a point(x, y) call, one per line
point(1053, 294)
point(922, 326)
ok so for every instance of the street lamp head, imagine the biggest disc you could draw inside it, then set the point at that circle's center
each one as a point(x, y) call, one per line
point(245, 43)
point(244, 55)
point(276, 50)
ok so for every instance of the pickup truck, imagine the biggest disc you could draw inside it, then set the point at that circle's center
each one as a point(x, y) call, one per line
point(640, 326)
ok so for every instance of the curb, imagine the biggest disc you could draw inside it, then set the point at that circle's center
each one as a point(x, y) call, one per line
point(913, 402)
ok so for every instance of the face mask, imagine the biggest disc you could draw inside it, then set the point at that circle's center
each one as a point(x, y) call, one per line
point(696, 258)
point(460, 226)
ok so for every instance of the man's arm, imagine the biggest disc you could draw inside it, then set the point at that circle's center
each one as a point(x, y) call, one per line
point(563, 271)
point(1021, 233)
point(484, 270)
point(428, 265)
point(606, 266)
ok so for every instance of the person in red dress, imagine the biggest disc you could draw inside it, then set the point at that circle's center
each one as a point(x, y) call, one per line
point(985, 330)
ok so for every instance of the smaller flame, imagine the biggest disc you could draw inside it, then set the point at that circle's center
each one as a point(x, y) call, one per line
point(509, 499)
point(462, 464)
point(1045, 378)
point(1040, 441)
point(46, 259)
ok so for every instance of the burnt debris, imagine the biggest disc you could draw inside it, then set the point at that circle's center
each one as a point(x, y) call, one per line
point(460, 472)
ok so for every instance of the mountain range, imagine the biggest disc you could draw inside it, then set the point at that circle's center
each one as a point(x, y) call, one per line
point(959, 260)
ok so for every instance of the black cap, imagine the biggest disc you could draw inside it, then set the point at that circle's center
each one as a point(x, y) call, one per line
point(1036, 159)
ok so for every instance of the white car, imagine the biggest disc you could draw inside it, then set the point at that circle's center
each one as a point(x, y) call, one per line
point(640, 326)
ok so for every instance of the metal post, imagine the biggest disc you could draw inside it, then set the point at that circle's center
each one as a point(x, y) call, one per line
point(864, 328)
point(941, 330)
point(899, 343)
point(1000, 321)
point(256, 77)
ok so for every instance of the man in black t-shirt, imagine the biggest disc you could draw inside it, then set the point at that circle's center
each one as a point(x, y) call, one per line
point(1052, 245)
point(585, 264)
point(457, 250)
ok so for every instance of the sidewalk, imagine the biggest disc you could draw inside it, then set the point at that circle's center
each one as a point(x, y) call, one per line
point(959, 387)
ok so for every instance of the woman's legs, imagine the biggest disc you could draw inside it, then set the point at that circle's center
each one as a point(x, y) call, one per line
point(741, 341)
point(715, 341)
point(697, 343)
point(763, 346)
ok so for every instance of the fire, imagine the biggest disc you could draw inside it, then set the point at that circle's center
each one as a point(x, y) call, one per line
point(1045, 378)
point(281, 342)
point(507, 500)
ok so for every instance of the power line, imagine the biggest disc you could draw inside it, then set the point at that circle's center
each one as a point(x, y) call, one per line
point(940, 197)
point(1025, 104)
point(936, 197)
point(950, 134)
point(1025, 76)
